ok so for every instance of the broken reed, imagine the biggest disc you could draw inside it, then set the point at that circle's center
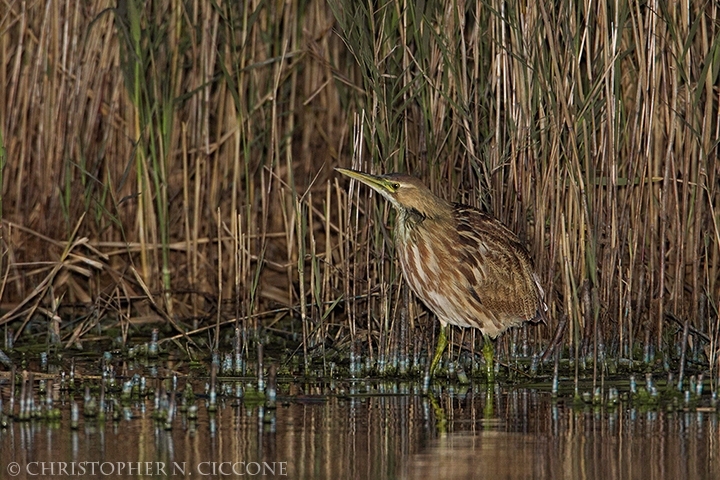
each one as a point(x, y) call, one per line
point(196, 144)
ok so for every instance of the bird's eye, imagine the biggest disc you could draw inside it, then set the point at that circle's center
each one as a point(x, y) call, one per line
point(395, 186)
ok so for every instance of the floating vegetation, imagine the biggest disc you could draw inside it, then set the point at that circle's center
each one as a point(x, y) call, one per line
point(103, 395)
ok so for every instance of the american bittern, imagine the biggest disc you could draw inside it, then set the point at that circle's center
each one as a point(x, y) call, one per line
point(465, 265)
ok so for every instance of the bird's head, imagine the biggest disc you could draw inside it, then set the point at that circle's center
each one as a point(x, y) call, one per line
point(406, 193)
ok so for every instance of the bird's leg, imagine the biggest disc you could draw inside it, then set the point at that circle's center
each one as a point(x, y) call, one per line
point(489, 354)
point(442, 342)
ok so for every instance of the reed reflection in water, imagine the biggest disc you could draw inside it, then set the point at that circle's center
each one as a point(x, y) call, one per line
point(498, 434)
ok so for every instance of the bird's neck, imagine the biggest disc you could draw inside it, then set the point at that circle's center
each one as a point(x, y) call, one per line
point(412, 218)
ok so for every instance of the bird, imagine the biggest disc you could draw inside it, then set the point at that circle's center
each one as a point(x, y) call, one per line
point(465, 265)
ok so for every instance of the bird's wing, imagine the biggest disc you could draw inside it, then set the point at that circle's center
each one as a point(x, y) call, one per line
point(495, 267)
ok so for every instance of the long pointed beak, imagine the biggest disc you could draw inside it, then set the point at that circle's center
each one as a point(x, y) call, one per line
point(375, 182)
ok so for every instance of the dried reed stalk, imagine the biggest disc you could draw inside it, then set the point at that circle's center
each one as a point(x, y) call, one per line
point(589, 128)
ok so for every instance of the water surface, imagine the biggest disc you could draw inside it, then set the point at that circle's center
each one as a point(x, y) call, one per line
point(374, 431)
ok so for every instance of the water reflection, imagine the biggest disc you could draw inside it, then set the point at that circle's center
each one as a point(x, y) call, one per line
point(532, 436)
point(477, 434)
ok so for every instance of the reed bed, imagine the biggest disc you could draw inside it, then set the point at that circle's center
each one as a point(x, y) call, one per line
point(170, 164)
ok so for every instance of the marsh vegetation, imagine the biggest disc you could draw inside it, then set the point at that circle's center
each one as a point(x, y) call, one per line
point(169, 165)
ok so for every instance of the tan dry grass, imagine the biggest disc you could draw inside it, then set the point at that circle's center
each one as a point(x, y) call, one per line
point(198, 141)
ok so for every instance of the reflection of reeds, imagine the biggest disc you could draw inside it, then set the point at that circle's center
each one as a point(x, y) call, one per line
point(195, 145)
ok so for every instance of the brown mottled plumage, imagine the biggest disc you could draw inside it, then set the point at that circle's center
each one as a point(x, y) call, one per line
point(465, 265)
